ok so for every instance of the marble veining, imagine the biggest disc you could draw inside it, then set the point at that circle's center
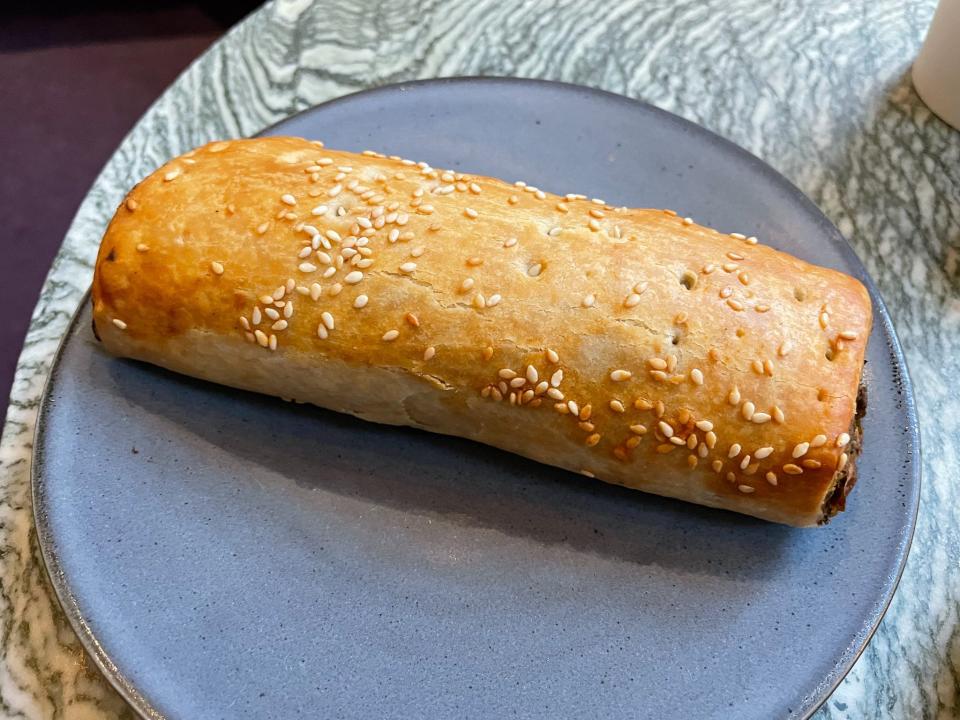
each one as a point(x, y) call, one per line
point(819, 90)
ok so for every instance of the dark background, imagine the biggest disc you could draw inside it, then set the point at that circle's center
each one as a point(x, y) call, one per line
point(74, 78)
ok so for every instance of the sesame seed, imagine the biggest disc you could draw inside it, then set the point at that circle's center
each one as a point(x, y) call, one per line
point(279, 325)
point(142, 248)
point(848, 335)
point(638, 429)
point(556, 378)
point(745, 462)
point(659, 375)
point(801, 449)
point(509, 242)
point(466, 285)
point(262, 228)
point(573, 407)
point(327, 320)
point(487, 353)
point(532, 375)
point(335, 190)
point(353, 277)
point(842, 463)
point(726, 292)
point(757, 367)
point(262, 339)
point(518, 382)
point(588, 300)
point(554, 231)
point(335, 289)
point(244, 322)
point(617, 406)
point(702, 450)
point(818, 441)
point(763, 452)
point(843, 440)
point(534, 270)
point(470, 213)
point(711, 439)
point(171, 175)
point(542, 387)
point(322, 332)
point(552, 356)
point(704, 425)
point(360, 301)
point(665, 428)
point(778, 416)
point(586, 411)
point(479, 301)
point(390, 335)
point(735, 304)
point(632, 442)
point(592, 440)
point(593, 225)
point(408, 267)
point(131, 204)
point(717, 466)
point(315, 290)
point(632, 300)
point(272, 314)
point(528, 396)
point(620, 375)
point(307, 267)
point(429, 353)
point(555, 393)
point(586, 426)
point(791, 469)
point(738, 236)
point(288, 309)
point(734, 450)
point(824, 320)
point(119, 323)
point(697, 376)
point(474, 188)
point(745, 489)
point(760, 418)
point(811, 463)
point(744, 278)
point(676, 440)
point(288, 199)
point(784, 348)
point(562, 207)
point(513, 199)
point(474, 261)
point(747, 410)
point(772, 478)
point(540, 194)
point(507, 373)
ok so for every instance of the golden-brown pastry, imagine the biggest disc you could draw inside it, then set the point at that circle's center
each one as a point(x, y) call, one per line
point(629, 345)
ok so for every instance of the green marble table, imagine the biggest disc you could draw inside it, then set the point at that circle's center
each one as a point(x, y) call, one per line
point(818, 89)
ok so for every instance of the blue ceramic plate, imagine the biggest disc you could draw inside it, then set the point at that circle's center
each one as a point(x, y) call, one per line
point(222, 554)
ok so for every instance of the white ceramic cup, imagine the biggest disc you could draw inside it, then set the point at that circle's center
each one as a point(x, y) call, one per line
point(936, 72)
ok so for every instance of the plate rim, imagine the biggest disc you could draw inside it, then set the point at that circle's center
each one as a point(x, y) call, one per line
point(813, 702)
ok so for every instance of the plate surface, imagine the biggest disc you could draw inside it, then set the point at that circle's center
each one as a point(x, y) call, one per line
point(224, 554)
